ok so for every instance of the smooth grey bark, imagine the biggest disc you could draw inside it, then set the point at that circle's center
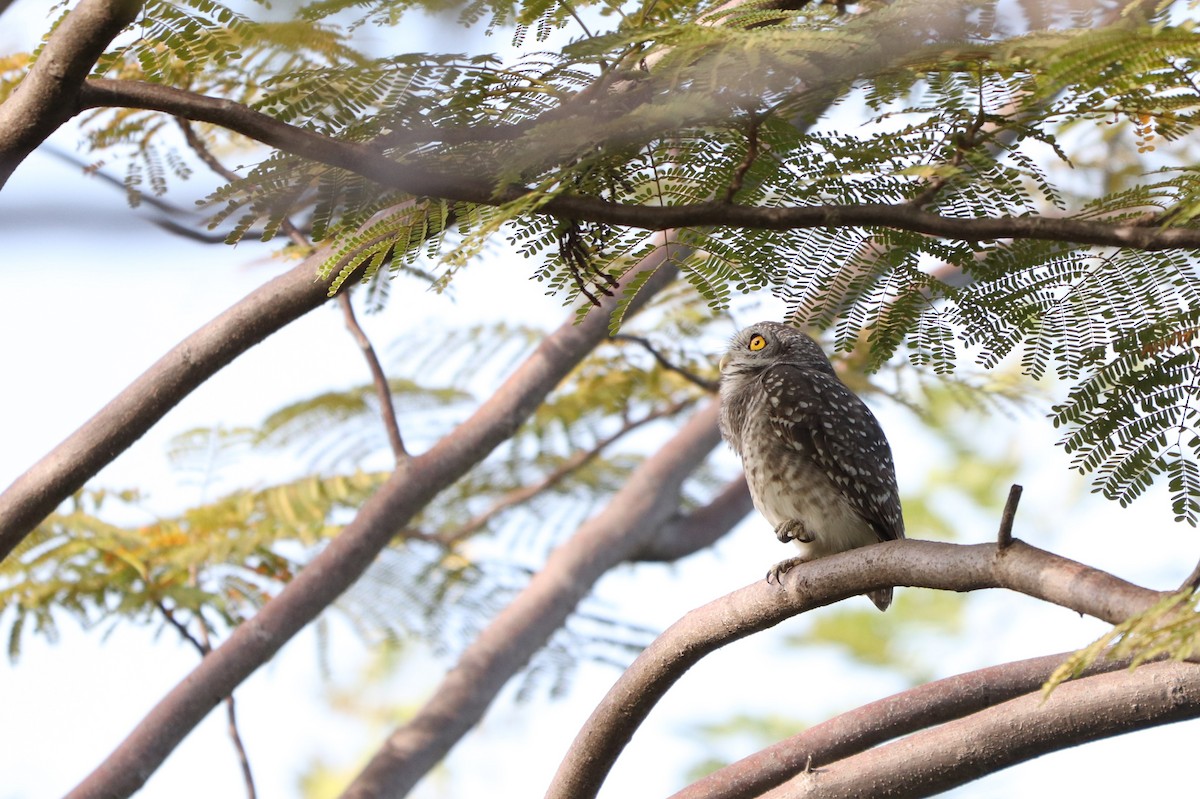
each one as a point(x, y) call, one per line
point(883, 720)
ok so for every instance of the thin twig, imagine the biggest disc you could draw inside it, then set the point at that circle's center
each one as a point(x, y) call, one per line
point(239, 747)
point(181, 628)
point(1004, 536)
point(231, 719)
point(568, 467)
point(386, 409)
point(203, 645)
point(739, 174)
point(432, 180)
point(711, 386)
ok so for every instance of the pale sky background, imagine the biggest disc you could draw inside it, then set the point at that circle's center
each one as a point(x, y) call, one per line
point(95, 295)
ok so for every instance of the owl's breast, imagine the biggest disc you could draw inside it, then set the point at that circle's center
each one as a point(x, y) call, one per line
point(785, 485)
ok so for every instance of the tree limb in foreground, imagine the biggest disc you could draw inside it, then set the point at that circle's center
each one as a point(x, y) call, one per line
point(936, 760)
point(348, 555)
point(883, 720)
point(36, 493)
point(926, 564)
point(464, 186)
point(48, 95)
point(634, 515)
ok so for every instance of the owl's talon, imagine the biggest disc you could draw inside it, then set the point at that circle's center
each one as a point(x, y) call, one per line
point(776, 572)
point(793, 530)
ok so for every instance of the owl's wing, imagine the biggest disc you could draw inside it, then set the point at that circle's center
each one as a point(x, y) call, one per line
point(814, 414)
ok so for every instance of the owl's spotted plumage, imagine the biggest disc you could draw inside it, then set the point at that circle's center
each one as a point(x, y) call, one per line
point(818, 465)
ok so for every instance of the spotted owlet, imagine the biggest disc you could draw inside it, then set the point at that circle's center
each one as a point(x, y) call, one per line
point(818, 465)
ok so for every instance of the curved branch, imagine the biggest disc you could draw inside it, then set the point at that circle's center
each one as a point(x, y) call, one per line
point(47, 97)
point(634, 514)
point(1021, 729)
point(874, 723)
point(927, 564)
point(349, 554)
point(466, 186)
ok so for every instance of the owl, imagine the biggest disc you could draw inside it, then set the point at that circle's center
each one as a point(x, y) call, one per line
point(818, 465)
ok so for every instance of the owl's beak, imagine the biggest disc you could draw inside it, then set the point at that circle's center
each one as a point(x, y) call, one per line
point(721, 364)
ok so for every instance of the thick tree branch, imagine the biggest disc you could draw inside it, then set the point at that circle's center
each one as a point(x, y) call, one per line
point(1021, 729)
point(685, 535)
point(927, 564)
point(465, 186)
point(632, 516)
point(876, 722)
point(48, 95)
point(346, 557)
point(37, 492)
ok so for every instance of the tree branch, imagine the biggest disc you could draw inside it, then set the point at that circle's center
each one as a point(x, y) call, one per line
point(874, 723)
point(632, 516)
point(36, 493)
point(48, 95)
point(708, 385)
point(1021, 729)
point(467, 185)
point(382, 390)
point(346, 557)
point(685, 535)
point(757, 607)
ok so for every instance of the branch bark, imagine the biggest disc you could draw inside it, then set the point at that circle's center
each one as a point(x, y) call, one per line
point(688, 534)
point(49, 94)
point(352, 551)
point(634, 515)
point(463, 186)
point(876, 722)
point(927, 564)
point(1021, 729)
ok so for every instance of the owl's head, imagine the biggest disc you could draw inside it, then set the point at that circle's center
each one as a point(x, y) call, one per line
point(767, 344)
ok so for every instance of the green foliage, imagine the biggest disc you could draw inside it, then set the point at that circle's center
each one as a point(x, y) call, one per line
point(1168, 629)
point(218, 561)
point(967, 110)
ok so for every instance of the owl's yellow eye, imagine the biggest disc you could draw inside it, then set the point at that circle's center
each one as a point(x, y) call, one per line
point(757, 343)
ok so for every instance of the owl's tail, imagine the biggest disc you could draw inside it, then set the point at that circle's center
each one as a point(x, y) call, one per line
point(882, 598)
